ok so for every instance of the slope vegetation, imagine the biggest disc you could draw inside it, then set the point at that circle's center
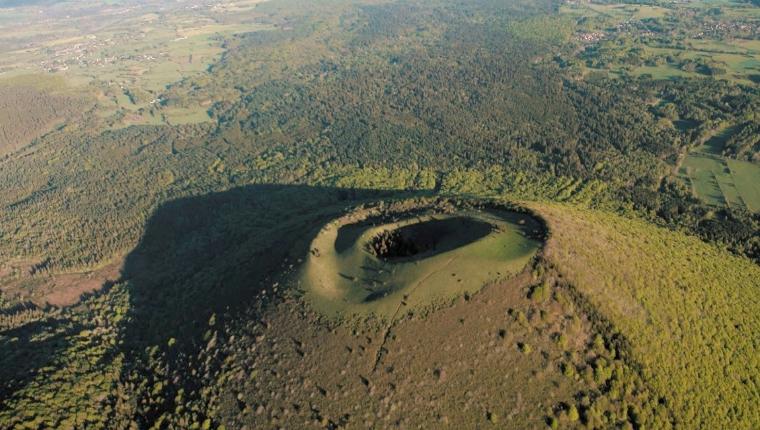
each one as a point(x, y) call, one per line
point(690, 310)
point(27, 113)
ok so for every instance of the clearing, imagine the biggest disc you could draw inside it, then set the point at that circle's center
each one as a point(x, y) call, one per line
point(722, 181)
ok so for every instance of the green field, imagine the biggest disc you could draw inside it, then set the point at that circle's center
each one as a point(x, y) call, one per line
point(723, 182)
point(180, 116)
point(746, 178)
point(127, 61)
point(715, 144)
point(669, 42)
point(617, 11)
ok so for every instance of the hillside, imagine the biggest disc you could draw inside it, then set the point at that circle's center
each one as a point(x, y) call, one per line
point(266, 214)
point(590, 334)
point(27, 113)
point(688, 310)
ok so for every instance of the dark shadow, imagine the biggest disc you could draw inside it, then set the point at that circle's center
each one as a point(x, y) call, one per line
point(202, 264)
point(348, 235)
point(215, 255)
point(26, 349)
point(377, 295)
point(716, 144)
point(684, 125)
point(426, 239)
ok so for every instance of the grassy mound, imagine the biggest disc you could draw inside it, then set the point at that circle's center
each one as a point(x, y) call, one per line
point(690, 311)
point(377, 260)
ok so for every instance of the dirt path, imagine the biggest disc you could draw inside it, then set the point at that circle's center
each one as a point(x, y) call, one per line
point(387, 331)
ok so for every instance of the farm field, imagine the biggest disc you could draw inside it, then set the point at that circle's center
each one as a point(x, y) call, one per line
point(127, 70)
point(746, 177)
point(721, 181)
point(623, 41)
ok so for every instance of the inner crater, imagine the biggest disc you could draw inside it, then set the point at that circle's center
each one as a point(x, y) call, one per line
point(426, 238)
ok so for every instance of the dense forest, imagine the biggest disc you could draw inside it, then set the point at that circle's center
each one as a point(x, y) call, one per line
point(341, 91)
point(19, 125)
point(335, 104)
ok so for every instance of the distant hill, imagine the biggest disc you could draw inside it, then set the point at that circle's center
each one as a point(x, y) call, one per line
point(4, 4)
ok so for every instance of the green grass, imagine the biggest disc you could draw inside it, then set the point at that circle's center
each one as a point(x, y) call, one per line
point(123, 101)
point(739, 57)
point(746, 177)
point(617, 12)
point(715, 181)
point(663, 71)
point(703, 173)
point(43, 82)
point(342, 278)
point(722, 181)
point(180, 116)
point(715, 144)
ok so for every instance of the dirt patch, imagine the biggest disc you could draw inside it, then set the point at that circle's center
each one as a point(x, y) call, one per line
point(20, 282)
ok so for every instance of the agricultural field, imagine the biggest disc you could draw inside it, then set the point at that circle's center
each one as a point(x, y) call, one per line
point(721, 181)
point(125, 59)
point(669, 41)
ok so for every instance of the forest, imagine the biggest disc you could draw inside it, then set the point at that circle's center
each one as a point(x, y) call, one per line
point(599, 116)
point(20, 126)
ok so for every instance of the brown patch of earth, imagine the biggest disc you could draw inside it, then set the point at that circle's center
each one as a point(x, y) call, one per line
point(19, 282)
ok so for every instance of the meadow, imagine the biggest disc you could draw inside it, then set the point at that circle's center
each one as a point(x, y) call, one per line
point(671, 41)
point(719, 180)
point(126, 63)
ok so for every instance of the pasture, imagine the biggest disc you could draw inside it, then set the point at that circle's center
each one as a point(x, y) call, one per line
point(668, 42)
point(721, 181)
point(127, 59)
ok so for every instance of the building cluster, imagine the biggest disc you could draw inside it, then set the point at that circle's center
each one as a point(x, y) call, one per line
point(91, 53)
point(590, 37)
point(728, 28)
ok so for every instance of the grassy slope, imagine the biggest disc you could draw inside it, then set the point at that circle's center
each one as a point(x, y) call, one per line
point(342, 282)
point(690, 310)
point(746, 176)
